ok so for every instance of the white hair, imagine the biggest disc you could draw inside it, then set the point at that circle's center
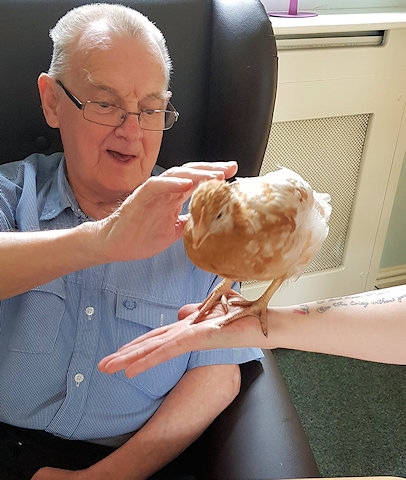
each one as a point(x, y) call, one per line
point(116, 19)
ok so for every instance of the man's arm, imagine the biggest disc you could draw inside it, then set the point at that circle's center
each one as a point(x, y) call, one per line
point(147, 223)
point(201, 394)
point(29, 259)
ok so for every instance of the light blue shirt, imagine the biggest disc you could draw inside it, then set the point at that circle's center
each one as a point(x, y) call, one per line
point(52, 337)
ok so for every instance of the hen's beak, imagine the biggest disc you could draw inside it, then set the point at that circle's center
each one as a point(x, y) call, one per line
point(199, 232)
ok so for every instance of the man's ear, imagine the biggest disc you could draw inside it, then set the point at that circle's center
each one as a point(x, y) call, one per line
point(49, 99)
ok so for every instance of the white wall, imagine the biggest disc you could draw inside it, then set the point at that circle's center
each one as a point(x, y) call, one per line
point(394, 252)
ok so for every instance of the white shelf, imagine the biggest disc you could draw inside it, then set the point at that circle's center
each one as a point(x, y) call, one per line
point(337, 21)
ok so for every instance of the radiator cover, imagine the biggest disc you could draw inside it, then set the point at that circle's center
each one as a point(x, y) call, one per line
point(339, 122)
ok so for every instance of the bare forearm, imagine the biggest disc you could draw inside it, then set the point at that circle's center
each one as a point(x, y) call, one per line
point(29, 259)
point(369, 326)
point(192, 405)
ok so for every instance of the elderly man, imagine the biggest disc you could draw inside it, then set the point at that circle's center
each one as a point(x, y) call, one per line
point(94, 232)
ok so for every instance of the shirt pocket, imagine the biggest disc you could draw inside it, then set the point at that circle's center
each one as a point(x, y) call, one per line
point(32, 320)
point(136, 317)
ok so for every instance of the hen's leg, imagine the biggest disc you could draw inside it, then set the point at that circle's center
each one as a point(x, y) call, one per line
point(257, 308)
point(222, 289)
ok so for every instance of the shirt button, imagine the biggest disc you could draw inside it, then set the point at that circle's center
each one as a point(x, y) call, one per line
point(130, 304)
point(79, 377)
point(89, 311)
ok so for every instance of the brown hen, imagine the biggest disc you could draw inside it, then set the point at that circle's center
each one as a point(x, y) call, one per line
point(259, 228)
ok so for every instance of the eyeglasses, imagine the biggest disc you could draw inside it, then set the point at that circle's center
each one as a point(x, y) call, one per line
point(105, 113)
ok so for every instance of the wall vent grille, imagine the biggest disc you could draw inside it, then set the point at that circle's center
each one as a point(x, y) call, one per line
point(327, 152)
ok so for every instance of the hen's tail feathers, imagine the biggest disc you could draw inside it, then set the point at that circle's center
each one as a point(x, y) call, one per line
point(323, 204)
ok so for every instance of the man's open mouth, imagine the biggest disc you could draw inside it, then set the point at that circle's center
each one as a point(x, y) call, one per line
point(122, 157)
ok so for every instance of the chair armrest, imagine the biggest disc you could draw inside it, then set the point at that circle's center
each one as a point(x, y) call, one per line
point(258, 437)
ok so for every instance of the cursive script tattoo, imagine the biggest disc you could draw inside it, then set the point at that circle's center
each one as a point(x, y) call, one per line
point(363, 300)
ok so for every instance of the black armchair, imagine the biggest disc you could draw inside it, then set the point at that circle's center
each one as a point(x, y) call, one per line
point(224, 86)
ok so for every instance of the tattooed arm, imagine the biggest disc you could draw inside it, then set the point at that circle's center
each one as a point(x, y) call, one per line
point(368, 326)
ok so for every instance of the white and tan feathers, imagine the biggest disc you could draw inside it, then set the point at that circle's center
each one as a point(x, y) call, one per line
point(259, 228)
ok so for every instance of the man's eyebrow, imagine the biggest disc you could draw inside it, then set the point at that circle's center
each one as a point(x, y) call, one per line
point(159, 95)
point(106, 88)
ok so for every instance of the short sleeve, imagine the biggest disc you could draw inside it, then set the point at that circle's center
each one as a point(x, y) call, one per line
point(7, 220)
point(226, 356)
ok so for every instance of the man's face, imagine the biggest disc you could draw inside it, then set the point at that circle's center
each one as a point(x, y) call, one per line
point(107, 163)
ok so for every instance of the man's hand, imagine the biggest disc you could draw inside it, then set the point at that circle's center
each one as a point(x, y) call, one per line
point(162, 344)
point(149, 220)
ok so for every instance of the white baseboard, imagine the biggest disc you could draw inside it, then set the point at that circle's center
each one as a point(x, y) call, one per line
point(391, 276)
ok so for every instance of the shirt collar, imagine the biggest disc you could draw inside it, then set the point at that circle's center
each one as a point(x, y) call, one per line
point(60, 195)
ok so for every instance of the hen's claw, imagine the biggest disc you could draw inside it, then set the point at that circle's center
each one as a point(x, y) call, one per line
point(248, 307)
point(224, 303)
point(256, 308)
point(218, 294)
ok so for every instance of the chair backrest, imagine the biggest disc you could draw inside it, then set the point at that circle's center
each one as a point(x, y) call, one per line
point(224, 79)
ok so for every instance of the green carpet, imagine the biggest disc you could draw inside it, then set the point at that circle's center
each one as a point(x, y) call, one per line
point(353, 412)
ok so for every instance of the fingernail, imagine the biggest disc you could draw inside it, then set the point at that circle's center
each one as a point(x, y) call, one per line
point(231, 162)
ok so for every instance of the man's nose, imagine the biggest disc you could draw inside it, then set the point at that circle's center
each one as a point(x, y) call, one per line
point(131, 126)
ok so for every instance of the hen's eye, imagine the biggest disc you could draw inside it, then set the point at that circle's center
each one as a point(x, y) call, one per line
point(219, 215)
